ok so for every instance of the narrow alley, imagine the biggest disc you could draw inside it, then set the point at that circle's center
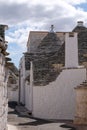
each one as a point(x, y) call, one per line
point(17, 121)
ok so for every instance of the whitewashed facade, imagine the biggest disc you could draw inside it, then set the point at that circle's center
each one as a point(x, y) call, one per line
point(57, 99)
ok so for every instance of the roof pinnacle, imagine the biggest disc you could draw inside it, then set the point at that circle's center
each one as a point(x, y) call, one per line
point(52, 28)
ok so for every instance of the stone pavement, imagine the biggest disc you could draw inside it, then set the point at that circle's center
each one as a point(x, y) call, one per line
point(54, 126)
point(12, 127)
point(21, 120)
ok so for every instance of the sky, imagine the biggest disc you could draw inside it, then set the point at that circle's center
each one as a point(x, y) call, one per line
point(23, 16)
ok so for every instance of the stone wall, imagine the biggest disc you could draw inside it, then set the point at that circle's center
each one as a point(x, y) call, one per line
point(3, 95)
point(3, 80)
point(12, 86)
point(81, 104)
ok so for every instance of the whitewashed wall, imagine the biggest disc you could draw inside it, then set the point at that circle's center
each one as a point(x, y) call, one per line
point(57, 100)
point(13, 95)
point(27, 93)
point(22, 91)
point(71, 50)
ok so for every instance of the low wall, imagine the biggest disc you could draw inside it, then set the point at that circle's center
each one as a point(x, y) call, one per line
point(57, 100)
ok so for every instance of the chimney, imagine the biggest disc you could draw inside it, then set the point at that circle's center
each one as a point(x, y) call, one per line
point(71, 50)
point(80, 23)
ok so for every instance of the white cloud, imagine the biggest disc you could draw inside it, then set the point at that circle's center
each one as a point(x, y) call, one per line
point(23, 16)
point(45, 2)
point(75, 2)
point(48, 2)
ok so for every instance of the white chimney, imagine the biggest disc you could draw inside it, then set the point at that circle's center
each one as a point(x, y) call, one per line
point(80, 23)
point(71, 50)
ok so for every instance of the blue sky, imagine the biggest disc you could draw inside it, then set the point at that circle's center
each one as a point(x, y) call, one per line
point(23, 16)
point(82, 6)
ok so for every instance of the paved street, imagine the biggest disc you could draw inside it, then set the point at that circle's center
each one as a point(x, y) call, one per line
point(22, 121)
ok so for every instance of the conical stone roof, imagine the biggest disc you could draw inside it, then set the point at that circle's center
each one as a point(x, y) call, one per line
point(46, 58)
point(80, 27)
point(82, 45)
point(51, 43)
point(82, 41)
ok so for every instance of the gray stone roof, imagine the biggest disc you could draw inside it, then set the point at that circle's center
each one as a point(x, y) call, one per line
point(79, 29)
point(51, 43)
point(2, 31)
point(44, 60)
point(27, 61)
point(50, 53)
point(82, 46)
point(82, 42)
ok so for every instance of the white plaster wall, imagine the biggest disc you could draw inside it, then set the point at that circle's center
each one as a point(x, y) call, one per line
point(28, 97)
point(27, 92)
point(57, 100)
point(22, 91)
point(12, 95)
point(71, 50)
